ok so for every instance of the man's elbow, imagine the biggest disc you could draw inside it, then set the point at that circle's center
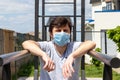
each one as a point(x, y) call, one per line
point(92, 43)
point(26, 43)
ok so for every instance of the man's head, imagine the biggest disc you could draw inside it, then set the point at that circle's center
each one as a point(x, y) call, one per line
point(60, 29)
point(59, 22)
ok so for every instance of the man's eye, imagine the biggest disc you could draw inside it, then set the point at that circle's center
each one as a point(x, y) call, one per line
point(58, 30)
point(65, 30)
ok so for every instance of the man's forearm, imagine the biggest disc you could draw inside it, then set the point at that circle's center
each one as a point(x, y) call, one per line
point(33, 48)
point(84, 48)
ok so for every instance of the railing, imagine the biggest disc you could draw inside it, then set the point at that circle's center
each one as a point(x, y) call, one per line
point(109, 63)
point(5, 59)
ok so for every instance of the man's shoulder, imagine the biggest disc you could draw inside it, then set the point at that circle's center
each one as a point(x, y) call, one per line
point(75, 42)
point(45, 42)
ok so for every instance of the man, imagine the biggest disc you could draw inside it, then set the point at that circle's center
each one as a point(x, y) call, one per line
point(59, 58)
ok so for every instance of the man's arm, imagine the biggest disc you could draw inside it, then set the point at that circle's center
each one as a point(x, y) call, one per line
point(34, 48)
point(83, 48)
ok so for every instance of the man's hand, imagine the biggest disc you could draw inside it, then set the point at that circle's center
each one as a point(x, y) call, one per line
point(49, 64)
point(67, 69)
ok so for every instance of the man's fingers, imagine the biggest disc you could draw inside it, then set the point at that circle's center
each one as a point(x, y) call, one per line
point(49, 65)
point(52, 66)
point(64, 72)
point(67, 70)
point(71, 68)
point(45, 65)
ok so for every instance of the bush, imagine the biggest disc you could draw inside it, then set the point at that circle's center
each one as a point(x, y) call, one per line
point(26, 69)
point(114, 35)
point(94, 61)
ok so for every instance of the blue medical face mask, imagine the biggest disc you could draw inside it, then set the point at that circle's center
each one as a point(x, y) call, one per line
point(61, 38)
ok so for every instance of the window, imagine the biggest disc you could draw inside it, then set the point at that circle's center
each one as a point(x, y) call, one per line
point(103, 8)
point(109, 6)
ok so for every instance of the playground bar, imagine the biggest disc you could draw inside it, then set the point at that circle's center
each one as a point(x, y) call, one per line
point(107, 59)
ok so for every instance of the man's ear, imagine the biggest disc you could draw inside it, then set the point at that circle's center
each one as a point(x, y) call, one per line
point(51, 35)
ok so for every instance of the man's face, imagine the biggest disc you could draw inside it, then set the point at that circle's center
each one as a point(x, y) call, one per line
point(60, 29)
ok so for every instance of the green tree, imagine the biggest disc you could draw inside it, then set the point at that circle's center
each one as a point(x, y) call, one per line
point(114, 35)
point(94, 61)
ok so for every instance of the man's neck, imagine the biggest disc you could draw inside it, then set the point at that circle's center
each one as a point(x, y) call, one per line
point(60, 49)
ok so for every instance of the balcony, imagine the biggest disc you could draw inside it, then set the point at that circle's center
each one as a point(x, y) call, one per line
point(94, 1)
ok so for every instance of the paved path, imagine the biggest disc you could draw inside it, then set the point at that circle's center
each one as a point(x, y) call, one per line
point(31, 78)
point(117, 70)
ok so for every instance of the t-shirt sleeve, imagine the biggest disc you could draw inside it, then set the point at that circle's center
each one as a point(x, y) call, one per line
point(76, 45)
point(43, 45)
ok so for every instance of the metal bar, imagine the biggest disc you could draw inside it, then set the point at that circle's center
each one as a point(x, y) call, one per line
point(83, 38)
point(36, 20)
point(6, 72)
point(82, 20)
point(58, 2)
point(36, 37)
point(59, 15)
point(7, 58)
point(43, 20)
point(74, 28)
point(107, 59)
point(15, 70)
point(45, 32)
point(107, 73)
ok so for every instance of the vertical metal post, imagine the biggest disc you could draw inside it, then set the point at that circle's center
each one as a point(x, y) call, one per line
point(16, 70)
point(83, 38)
point(43, 21)
point(6, 72)
point(74, 27)
point(36, 37)
point(107, 73)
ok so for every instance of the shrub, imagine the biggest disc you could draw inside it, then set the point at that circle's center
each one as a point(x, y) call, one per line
point(94, 61)
point(114, 35)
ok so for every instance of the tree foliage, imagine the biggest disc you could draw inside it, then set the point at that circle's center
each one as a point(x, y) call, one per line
point(94, 61)
point(114, 35)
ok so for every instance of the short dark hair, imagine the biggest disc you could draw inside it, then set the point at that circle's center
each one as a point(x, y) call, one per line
point(60, 21)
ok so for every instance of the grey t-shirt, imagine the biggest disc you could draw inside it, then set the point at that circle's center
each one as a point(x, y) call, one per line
point(56, 74)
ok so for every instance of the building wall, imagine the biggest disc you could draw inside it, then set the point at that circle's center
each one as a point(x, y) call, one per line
point(96, 6)
point(99, 5)
point(106, 20)
point(6, 41)
point(103, 21)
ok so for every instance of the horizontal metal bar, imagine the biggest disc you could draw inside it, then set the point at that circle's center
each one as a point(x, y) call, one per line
point(60, 15)
point(9, 57)
point(59, 2)
point(48, 26)
point(107, 59)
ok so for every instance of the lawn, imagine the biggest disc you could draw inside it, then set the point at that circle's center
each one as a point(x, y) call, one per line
point(90, 71)
point(93, 71)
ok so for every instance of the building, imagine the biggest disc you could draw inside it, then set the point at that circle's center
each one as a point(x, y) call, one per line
point(104, 5)
point(106, 15)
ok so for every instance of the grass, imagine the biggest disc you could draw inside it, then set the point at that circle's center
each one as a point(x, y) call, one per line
point(90, 70)
point(93, 71)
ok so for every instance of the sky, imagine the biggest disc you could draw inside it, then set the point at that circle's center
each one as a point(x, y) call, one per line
point(18, 15)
